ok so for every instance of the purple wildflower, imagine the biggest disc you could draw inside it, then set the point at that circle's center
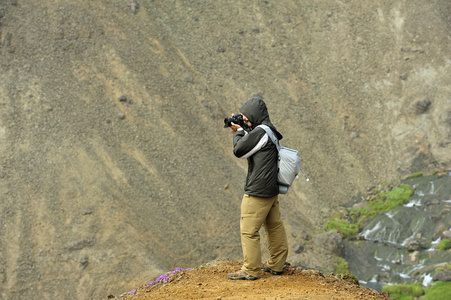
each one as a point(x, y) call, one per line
point(166, 277)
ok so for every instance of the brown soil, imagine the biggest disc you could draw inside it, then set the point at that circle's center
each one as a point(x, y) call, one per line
point(211, 282)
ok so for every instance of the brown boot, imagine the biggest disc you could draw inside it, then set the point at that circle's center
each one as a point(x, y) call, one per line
point(241, 275)
point(265, 268)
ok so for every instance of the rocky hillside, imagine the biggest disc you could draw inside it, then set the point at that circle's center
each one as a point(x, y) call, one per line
point(114, 163)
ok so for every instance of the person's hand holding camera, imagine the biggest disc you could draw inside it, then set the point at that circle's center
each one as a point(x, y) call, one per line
point(242, 119)
point(234, 127)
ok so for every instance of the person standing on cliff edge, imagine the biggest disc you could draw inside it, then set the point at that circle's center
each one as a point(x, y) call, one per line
point(260, 204)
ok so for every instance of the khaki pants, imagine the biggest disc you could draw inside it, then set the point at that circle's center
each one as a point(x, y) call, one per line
point(255, 212)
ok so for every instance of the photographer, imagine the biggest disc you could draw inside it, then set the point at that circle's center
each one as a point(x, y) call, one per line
point(260, 205)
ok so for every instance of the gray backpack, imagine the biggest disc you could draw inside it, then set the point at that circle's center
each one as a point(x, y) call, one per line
point(289, 163)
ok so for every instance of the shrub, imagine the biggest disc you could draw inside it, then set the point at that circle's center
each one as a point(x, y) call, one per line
point(341, 267)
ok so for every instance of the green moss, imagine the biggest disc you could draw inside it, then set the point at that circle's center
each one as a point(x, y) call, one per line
point(388, 200)
point(438, 291)
point(380, 203)
point(341, 267)
point(445, 268)
point(404, 291)
point(415, 175)
point(350, 277)
point(444, 244)
point(383, 202)
point(343, 227)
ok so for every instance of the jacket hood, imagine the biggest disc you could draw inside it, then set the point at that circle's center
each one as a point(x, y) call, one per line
point(256, 111)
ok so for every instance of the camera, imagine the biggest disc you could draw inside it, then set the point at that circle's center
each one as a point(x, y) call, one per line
point(237, 119)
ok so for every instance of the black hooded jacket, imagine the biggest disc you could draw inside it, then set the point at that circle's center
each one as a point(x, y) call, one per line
point(260, 151)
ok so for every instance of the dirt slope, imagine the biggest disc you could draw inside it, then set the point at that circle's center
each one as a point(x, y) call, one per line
point(114, 163)
point(210, 282)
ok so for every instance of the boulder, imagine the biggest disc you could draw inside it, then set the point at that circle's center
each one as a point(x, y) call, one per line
point(442, 276)
point(412, 258)
point(446, 235)
point(298, 248)
point(413, 245)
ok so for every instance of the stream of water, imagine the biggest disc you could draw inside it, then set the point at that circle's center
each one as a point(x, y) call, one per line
point(381, 258)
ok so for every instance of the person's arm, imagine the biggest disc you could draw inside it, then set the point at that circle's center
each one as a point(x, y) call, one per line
point(246, 144)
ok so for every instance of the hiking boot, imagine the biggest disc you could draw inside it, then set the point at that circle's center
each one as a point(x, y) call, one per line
point(265, 268)
point(241, 275)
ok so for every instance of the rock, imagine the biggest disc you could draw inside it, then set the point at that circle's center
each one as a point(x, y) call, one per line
point(422, 106)
point(298, 248)
point(84, 261)
point(442, 174)
point(413, 245)
point(412, 258)
point(133, 6)
point(446, 235)
point(256, 30)
point(442, 276)
point(77, 245)
point(189, 79)
point(383, 277)
point(351, 279)
point(304, 235)
point(121, 116)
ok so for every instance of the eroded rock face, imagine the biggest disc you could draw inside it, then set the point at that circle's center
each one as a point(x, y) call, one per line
point(331, 242)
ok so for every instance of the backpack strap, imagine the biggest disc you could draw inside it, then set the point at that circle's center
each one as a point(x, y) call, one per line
point(271, 135)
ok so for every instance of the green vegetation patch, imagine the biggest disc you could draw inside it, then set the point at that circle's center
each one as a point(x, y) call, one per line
point(343, 227)
point(379, 203)
point(444, 244)
point(383, 202)
point(438, 291)
point(415, 175)
point(446, 267)
point(341, 267)
point(404, 291)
